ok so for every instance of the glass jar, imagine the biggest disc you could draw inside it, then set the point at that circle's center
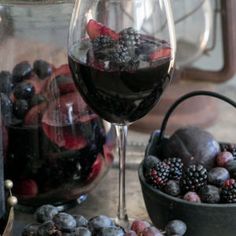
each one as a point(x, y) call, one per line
point(56, 149)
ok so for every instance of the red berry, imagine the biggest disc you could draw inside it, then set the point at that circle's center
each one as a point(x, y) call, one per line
point(223, 158)
point(192, 197)
point(96, 168)
point(139, 225)
point(130, 233)
point(34, 115)
point(62, 120)
point(151, 231)
point(229, 182)
point(95, 29)
point(27, 188)
point(160, 53)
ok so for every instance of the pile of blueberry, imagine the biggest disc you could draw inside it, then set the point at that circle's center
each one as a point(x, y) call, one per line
point(20, 89)
point(52, 222)
point(198, 182)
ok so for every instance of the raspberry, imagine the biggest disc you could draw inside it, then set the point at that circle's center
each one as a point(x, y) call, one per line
point(158, 175)
point(194, 178)
point(228, 191)
point(176, 167)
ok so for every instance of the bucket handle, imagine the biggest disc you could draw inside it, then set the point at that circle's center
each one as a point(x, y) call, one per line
point(185, 97)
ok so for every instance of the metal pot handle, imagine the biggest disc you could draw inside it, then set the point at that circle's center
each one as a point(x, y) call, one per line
point(185, 97)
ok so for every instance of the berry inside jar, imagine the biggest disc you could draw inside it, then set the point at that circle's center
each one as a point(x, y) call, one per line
point(55, 147)
point(193, 166)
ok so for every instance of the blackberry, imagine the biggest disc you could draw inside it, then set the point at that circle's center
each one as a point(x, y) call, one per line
point(158, 175)
point(103, 42)
point(228, 191)
point(103, 47)
point(176, 167)
point(193, 178)
point(120, 57)
point(130, 38)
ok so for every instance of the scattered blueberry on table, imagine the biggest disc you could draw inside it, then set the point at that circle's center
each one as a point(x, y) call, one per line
point(50, 222)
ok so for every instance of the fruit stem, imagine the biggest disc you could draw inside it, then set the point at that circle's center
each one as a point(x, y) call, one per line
point(122, 217)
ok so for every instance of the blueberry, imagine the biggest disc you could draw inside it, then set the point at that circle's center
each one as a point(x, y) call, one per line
point(64, 222)
point(80, 221)
point(218, 175)
point(21, 71)
point(209, 194)
point(5, 82)
point(231, 167)
point(176, 227)
point(6, 108)
point(130, 233)
point(42, 68)
point(30, 229)
point(46, 229)
point(45, 213)
point(172, 188)
point(110, 231)
point(37, 99)
point(24, 91)
point(100, 221)
point(20, 108)
point(150, 161)
point(82, 231)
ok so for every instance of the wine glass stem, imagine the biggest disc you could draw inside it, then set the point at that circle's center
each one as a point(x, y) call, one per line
point(122, 217)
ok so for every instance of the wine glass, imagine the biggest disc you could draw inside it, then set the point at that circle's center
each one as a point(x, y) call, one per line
point(121, 54)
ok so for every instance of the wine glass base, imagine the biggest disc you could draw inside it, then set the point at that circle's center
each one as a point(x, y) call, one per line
point(125, 223)
point(62, 206)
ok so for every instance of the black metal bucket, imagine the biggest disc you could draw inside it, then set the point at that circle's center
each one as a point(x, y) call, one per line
point(202, 219)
